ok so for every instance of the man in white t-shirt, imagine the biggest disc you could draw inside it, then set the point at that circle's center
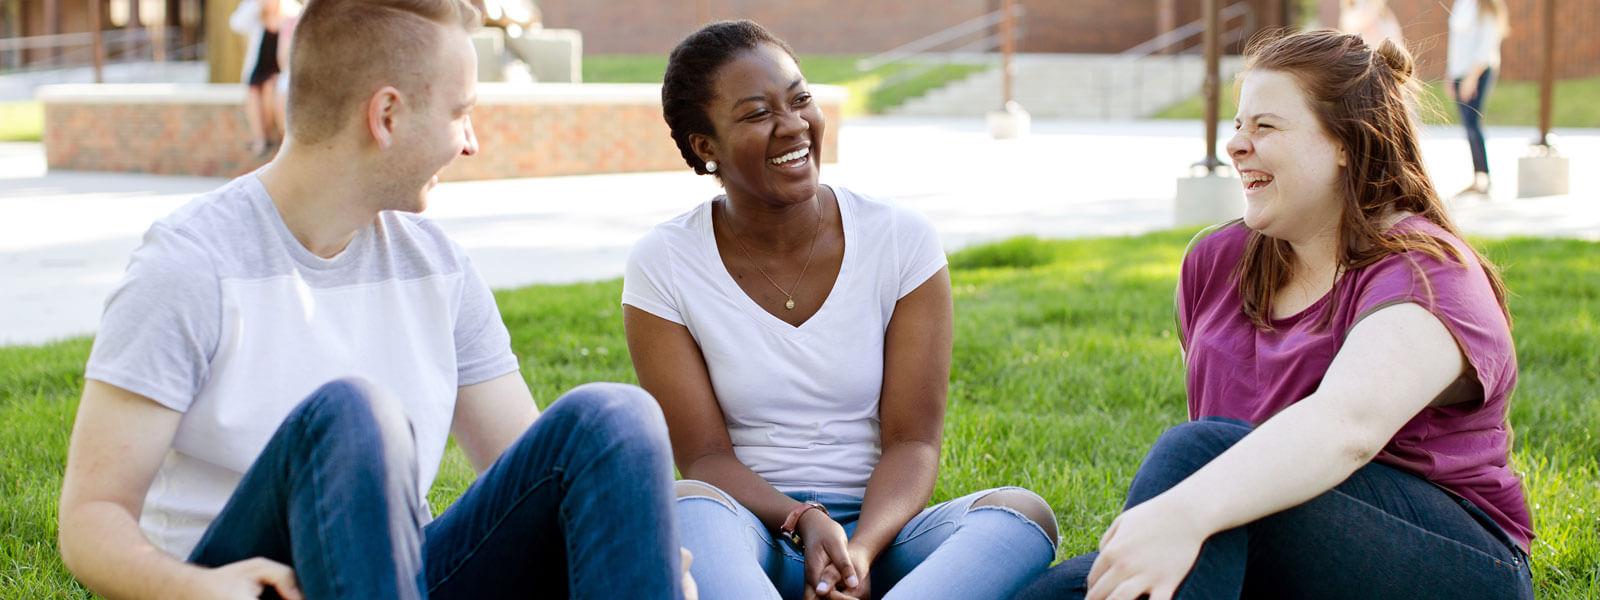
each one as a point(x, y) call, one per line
point(276, 377)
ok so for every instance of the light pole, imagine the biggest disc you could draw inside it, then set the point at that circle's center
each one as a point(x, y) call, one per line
point(1010, 121)
point(1544, 172)
point(1210, 194)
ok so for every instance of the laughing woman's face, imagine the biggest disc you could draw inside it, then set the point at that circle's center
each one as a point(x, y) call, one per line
point(1290, 165)
point(768, 141)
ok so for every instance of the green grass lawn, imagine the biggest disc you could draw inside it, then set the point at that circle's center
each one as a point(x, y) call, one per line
point(866, 94)
point(1577, 104)
point(1066, 369)
point(21, 121)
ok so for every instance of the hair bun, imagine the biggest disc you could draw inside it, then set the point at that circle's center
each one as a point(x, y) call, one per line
point(1396, 57)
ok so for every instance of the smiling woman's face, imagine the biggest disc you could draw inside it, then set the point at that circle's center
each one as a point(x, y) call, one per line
point(768, 128)
point(1289, 163)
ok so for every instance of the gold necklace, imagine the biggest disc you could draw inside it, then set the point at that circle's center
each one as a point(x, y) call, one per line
point(789, 293)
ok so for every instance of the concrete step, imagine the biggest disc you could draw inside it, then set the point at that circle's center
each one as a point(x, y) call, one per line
point(1081, 86)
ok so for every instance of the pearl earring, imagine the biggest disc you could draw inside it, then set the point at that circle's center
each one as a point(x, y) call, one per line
point(711, 166)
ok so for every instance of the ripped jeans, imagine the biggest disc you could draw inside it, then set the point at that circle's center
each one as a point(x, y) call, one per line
point(950, 550)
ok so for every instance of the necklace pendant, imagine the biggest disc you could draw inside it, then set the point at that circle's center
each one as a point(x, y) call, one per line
point(789, 305)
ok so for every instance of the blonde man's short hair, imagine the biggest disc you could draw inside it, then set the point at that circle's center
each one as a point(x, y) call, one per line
point(343, 51)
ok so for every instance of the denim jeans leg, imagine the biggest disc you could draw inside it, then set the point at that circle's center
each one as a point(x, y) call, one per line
point(1471, 110)
point(1177, 454)
point(1389, 534)
point(1383, 531)
point(580, 506)
point(334, 495)
point(733, 551)
point(958, 550)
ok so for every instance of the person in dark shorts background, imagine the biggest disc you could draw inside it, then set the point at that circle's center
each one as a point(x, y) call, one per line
point(260, 21)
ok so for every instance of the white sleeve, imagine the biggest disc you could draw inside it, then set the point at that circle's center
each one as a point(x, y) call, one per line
point(921, 254)
point(483, 345)
point(1487, 52)
point(161, 326)
point(246, 18)
point(647, 283)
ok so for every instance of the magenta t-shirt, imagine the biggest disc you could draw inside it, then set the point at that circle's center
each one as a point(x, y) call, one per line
point(1238, 371)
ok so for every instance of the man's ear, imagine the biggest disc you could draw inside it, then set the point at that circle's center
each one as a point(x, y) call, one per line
point(382, 109)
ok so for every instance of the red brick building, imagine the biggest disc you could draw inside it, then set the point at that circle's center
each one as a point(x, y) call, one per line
point(867, 26)
point(1096, 26)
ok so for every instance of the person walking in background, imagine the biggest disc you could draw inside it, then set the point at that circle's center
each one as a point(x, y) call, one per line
point(260, 21)
point(1476, 29)
point(1373, 20)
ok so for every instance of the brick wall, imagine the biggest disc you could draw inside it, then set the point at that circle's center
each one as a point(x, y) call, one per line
point(856, 26)
point(203, 139)
point(1099, 26)
point(822, 26)
point(562, 130)
point(1427, 29)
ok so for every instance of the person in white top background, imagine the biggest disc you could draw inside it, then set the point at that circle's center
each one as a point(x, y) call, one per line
point(1476, 29)
point(798, 337)
point(1373, 20)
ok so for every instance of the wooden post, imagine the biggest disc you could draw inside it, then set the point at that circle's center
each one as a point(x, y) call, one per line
point(52, 26)
point(1007, 48)
point(224, 49)
point(96, 25)
point(135, 24)
point(1166, 20)
point(1547, 74)
point(1212, 85)
point(157, 32)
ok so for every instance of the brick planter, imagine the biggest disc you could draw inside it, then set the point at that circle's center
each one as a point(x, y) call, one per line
point(523, 130)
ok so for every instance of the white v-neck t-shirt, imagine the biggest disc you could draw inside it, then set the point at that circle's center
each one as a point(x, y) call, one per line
point(800, 403)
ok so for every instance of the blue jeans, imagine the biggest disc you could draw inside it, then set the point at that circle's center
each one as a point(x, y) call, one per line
point(578, 506)
point(1383, 533)
point(952, 550)
point(1472, 117)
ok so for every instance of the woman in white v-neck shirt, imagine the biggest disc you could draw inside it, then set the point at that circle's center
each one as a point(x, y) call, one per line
point(798, 338)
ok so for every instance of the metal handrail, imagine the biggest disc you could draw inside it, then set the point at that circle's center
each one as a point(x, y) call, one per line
point(1134, 59)
point(76, 49)
point(934, 40)
point(1188, 30)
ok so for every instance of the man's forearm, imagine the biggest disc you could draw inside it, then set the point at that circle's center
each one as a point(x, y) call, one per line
point(103, 547)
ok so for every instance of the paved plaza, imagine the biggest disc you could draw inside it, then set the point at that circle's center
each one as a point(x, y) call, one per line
point(65, 237)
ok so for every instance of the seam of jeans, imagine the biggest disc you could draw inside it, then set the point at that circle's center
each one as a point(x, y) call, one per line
point(493, 528)
point(316, 492)
point(926, 530)
point(1492, 558)
point(718, 501)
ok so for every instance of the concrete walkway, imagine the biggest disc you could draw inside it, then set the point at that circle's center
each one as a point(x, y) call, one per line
point(65, 237)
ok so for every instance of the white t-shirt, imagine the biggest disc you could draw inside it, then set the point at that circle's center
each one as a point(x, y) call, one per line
point(223, 316)
point(1474, 39)
point(801, 403)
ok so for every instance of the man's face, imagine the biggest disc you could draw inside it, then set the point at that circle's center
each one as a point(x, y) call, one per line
point(438, 123)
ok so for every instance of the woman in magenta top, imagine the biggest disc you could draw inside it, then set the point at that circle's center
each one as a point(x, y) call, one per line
point(1349, 363)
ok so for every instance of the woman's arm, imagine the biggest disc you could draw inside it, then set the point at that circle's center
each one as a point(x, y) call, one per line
point(671, 368)
point(916, 378)
point(1392, 365)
